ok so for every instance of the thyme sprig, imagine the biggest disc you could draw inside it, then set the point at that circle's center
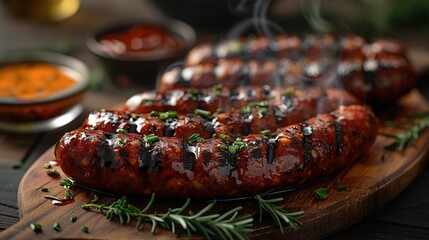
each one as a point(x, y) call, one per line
point(277, 213)
point(412, 129)
point(227, 225)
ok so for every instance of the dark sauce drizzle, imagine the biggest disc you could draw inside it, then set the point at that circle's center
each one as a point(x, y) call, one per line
point(339, 137)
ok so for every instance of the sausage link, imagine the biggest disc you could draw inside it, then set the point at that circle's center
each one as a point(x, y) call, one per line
point(293, 107)
point(127, 164)
point(378, 72)
point(217, 99)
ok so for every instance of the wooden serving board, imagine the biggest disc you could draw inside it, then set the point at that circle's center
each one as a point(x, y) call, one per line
point(372, 181)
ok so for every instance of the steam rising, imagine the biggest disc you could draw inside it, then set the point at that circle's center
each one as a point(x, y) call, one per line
point(312, 13)
point(258, 18)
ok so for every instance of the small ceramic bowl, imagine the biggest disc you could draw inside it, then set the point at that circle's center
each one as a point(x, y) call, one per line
point(134, 53)
point(41, 112)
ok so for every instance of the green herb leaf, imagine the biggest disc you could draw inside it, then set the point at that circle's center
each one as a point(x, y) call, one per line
point(202, 113)
point(50, 197)
point(122, 141)
point(169, 115)
point(94, 198)
point(67, 183)
point(321, 193)
point(265, 132)
point(194, 93)
point(36, 227)
point(46, 166)
point(287, 92)
point(17, 165)
point(224, 137)
point(341, 188)
point(262, 106)
point(54, 173)
point(150, 139)
point(43, 189)
point(121, 131)
point(195, 138)
point(57, 226)
point(84, 229)
point(236, 146)
point(73, 217)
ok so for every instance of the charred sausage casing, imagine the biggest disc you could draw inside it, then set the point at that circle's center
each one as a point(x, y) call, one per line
point(272, 113)
point(378, 72)
point(127, 164)
point(218, 98)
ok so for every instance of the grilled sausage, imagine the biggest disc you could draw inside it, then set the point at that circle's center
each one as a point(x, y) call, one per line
point(217, 98)
point(377, 73)
point(292, 107)
point(127, 164)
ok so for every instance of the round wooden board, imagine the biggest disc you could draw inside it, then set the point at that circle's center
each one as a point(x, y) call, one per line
point(371, 182)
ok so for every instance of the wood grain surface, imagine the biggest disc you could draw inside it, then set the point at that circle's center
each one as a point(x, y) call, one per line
point(372, 181)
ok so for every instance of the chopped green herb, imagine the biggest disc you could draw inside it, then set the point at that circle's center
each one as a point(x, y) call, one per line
point(195, 138)
point(43, 189)
point(169, 115)
point(121, 131)
point(73, 217)
point(265, 132)
point(50, 197)
point(57, 226)
point(17, 165)
point(262, 106)
point(341, 188)
point(84, 229)
point(36, 227)
point(217, 89)
point(288, 91)
point(94, 198)
point(68, 194)
point(223, 147)
point(150, 139)
point(67, 183)
point(122, 142)
point(202, 113)
point(321, 193)
point(220, 110)
point(54, 173)
point(224, 137)
point(194, 93)
point(263, 111)
point(133, 116)
point(46, 166)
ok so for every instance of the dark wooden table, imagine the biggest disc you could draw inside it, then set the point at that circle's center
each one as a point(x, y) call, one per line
point(405, 217)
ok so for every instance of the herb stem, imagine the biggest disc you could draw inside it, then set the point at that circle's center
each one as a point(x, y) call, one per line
point(228, 225)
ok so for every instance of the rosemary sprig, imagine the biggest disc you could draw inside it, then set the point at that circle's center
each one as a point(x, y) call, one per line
point(412, 129)
point(278, 213)
point(227, 225)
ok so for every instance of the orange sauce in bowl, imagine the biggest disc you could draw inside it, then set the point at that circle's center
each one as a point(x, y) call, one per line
point(30, 81)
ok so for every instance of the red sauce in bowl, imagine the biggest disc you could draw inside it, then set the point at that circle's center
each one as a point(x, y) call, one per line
point(140, 41)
